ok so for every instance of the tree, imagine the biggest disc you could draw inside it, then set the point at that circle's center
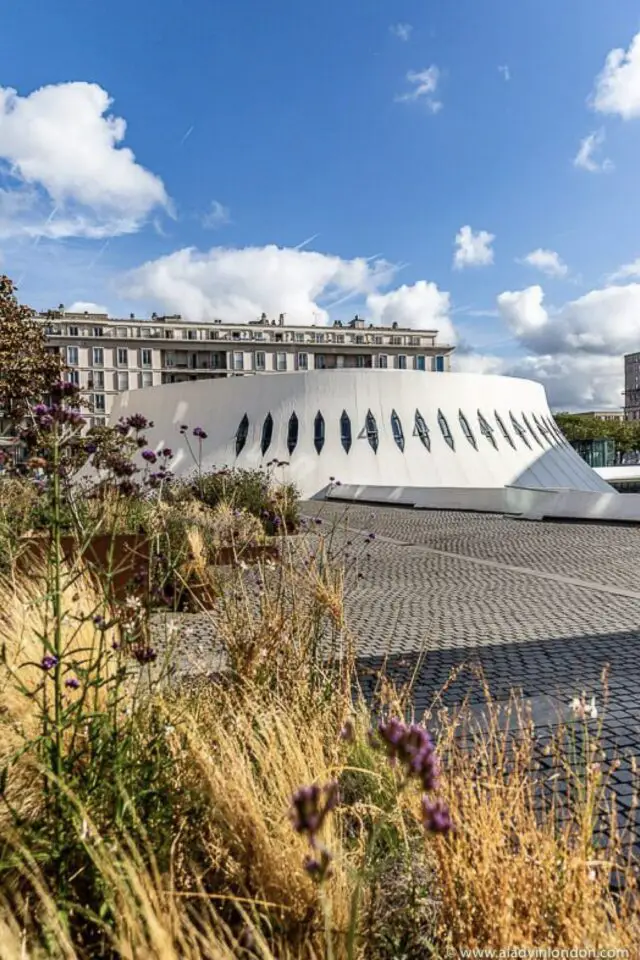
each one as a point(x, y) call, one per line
point(27, 369)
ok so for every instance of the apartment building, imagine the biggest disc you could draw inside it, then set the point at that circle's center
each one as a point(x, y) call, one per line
point(632, 386)
point(107, 356)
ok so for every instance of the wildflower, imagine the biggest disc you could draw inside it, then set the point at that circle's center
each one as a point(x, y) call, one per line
point(348, 732)
point(149, 456)
point(137, 422)
point(72, 683)
point(145, 655)
point(332, 479)
point(199, 433)
point(317, 520)
point(49, 662)
point(90, 448)
point(310, 806)
point(435, 816)
point(100, 622)
point(413, 747)
point(184, 428)
point(319, 868)
point(167, 453)
point(584, 709)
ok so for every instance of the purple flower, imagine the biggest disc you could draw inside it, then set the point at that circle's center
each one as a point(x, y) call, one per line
point(167, 453)
point(100, 622)
point(199, 433)
point(310, 806)
point(436, 817)
point(145, 655)
point(49, 662)
point(348, 732)
point(149, 456)
point(319, 868)
point(413, 747)
point(137, 422)
point(41, 409)
point(317, 520)
point(90, 447)
point(72, 683)
point(184, 428)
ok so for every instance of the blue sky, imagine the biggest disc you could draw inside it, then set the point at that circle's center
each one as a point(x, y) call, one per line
point(375, 131)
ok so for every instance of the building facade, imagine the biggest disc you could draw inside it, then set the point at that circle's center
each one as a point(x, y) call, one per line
point(632, 386)
point(607, 415)
point(107, 357)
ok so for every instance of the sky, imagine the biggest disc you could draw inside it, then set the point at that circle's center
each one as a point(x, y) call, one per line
point(465, 166)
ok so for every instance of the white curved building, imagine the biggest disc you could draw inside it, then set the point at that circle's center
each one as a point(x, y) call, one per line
point(442, 440)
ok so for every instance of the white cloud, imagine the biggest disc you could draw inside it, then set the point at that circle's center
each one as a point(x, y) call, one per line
point(401, 30)
point(239, 284)
point(605, 321)
point(628, 271)
point(68, 174)
point(473, 249)
point(548, 261)
point(425, 85)
point(617, 89)
point(572, 382)
point(217, 216)
point(419, 305)
point(585, 157)
point(83, 306)
point(506, 73)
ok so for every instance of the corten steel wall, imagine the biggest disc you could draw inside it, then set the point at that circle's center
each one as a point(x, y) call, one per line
point(218, 406)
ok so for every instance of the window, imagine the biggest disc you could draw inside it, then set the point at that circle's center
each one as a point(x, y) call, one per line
point(372, 431)
point(303, 361)
point(422, 430)
point(466, 429)
point(382, 361)
point(402, 362)
point(97, 378)
point(73, 331)
point(518, 429)
point(122, 357)
point(73, 376)
point(145, 358)
point(192, 334)
point(146, 379)
point(505, 432)
point(123, 332)
point(122, 380)
point(439, 364)
point(260, 358)
point(444, 429)
point(420, 363)
point(532, 431)
point(281, 361)
point(98, 402)
point(541, 428)
point(241, 434)
point(321, 362)
point(98, 332)
point(396, 428)
point(72, 356)
point(238, 360)
point(345, 431)
point(292, 433)
point(299, 338)
point(267, 433)
point(318, 432)
point(486, 430)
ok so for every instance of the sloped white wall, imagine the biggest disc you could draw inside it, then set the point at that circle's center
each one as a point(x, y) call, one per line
point(219, 405)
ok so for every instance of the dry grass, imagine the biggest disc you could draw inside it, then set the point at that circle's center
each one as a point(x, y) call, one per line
point(521, 868)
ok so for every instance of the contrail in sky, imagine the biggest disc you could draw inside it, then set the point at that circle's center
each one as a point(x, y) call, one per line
point(98, 254)
point(187, 134)
point(307, 241)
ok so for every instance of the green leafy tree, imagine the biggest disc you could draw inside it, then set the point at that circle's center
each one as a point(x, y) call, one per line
point(27, 369)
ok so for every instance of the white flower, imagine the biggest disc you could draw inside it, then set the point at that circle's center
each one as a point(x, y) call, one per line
point(584, 709)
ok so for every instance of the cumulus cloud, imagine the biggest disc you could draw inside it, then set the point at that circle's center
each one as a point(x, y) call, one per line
point(604, 321)
point(68, 174)
point(617, 87)
point(419, 305)
point(401, 30)
point(547, 261)
point(473, 249)
point(586, 158)
point(627, 271)
point(217, 216)
point(572, 382)
point(85, 306)
point(424, 85)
